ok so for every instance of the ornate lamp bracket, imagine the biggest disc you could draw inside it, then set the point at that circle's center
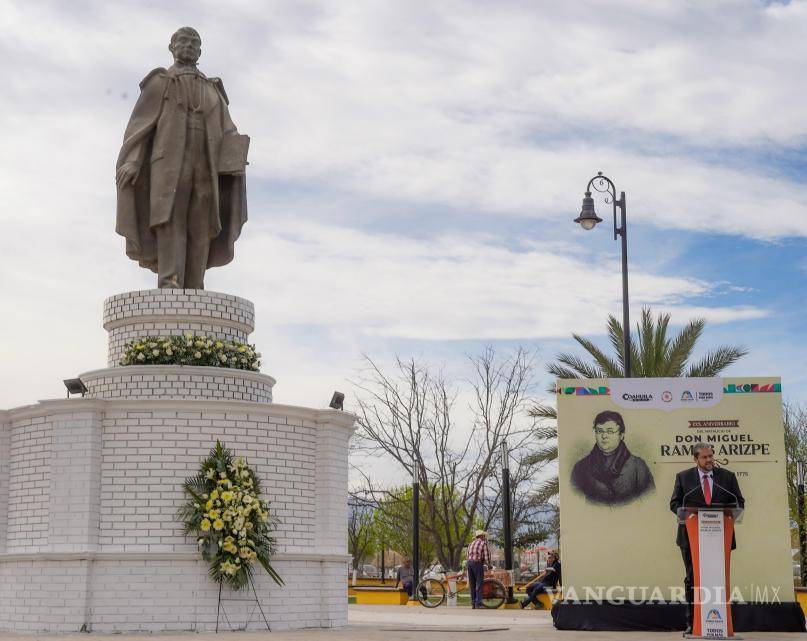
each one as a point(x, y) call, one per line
point(605, 186)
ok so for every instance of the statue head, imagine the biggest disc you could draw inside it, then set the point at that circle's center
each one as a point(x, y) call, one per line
point(186, 45)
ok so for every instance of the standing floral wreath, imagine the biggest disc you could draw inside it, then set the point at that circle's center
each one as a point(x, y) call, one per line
point(232, 523)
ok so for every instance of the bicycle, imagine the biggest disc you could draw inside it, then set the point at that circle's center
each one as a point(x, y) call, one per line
point(432, 592)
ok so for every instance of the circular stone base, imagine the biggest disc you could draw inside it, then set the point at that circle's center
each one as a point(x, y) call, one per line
point(179, 382)
point(173, 312)
point(91, 538)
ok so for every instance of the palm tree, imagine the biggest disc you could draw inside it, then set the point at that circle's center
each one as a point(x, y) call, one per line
point(654, 354)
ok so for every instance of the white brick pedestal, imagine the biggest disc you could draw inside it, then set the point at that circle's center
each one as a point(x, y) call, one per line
point(90, 488)
point(174, 312)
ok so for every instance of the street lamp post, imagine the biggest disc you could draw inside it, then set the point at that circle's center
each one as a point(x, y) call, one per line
point(415, 524)
point(507, 517)
point(383, 569)
point(588, 219)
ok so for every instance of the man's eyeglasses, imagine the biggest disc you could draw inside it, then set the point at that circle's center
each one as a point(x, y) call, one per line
point(600, 432)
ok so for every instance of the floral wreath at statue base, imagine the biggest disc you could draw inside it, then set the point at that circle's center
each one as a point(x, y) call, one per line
point(231, 522)
point(191, 349)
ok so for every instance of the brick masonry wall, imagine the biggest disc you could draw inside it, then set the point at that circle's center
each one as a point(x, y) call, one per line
point(164, 312)
point(30, 447)
point(90, 487)
point(76, 456)
point(39, 596)
point(4, 479)
point(108, 595)
point(176, 595)
point(331, 483)
point(185, 302)
point(147, 454)
point(176, 382)
point(98, 484)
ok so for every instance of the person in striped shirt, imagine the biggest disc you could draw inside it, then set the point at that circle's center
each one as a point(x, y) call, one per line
point(478, 556)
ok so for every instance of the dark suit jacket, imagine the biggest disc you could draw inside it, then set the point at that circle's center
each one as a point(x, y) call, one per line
point(688, 484)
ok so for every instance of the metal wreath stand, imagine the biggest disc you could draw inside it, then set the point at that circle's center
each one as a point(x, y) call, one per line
point(220, 610)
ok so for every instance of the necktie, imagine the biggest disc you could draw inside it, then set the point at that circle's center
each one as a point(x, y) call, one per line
point(707, 491)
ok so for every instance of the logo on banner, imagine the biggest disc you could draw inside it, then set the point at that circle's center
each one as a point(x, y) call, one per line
point(637, 398)
point(713, 616)
point(666, 394)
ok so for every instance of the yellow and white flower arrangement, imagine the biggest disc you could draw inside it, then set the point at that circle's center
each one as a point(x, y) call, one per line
point(191, 349)
point(231, 522)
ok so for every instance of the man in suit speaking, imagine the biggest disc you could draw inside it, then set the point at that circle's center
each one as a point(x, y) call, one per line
point(701, 486)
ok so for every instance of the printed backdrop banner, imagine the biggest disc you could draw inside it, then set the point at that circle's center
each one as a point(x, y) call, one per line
point(621, 443)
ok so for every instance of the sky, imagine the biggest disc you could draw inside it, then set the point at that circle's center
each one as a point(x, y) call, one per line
point(415, 168)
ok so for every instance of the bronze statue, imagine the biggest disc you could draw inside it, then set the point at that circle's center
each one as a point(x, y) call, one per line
point(181, 172)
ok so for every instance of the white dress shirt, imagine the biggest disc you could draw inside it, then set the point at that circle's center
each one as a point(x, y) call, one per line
point(708, 475)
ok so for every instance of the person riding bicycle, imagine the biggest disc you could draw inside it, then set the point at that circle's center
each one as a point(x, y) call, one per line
point(549, 578)
point(478, 556)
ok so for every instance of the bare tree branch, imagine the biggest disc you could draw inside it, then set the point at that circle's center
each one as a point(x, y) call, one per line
point(409, 414)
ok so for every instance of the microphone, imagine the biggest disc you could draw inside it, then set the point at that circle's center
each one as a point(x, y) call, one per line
point(684, 502)
point(725, 489)
point(684, 498)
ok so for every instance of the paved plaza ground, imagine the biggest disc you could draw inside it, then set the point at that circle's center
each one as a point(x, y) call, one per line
point(400, 623)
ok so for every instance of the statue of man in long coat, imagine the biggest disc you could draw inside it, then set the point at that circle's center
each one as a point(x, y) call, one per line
point(180, 172)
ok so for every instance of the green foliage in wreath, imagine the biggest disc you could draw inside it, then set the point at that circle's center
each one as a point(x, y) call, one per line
point(191, 349)
point(230, 520)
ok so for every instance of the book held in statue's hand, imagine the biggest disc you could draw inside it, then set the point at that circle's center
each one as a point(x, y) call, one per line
point(233, 154)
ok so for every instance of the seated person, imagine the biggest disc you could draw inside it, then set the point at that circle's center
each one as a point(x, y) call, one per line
point(549, 578)
point(405, 576)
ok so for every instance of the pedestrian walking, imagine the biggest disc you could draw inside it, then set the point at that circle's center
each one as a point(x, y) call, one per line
point(478, 557)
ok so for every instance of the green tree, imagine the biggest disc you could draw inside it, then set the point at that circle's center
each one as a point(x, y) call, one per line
point(393, 522)
point(654, 353)
point(795, 424)
point(795, 427)
point(362, 536)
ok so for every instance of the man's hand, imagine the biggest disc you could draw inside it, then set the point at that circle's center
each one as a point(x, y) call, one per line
point(127, 174)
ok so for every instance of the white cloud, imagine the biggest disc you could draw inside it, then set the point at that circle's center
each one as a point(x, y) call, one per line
point(505, 107)
point(487, 108)
point(324, 294)
point(445, 288)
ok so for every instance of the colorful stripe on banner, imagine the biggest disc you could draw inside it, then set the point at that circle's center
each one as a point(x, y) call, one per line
point(584, 391)
point(751, 388)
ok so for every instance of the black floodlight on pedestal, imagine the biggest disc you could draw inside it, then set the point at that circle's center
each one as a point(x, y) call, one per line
point(337, 401)
point(75, 386)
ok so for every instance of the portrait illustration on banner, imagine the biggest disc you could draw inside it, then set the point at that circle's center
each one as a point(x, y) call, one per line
point(609, 474)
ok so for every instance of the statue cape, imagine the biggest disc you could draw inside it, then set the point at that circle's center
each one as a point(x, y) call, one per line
point(137, 213)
